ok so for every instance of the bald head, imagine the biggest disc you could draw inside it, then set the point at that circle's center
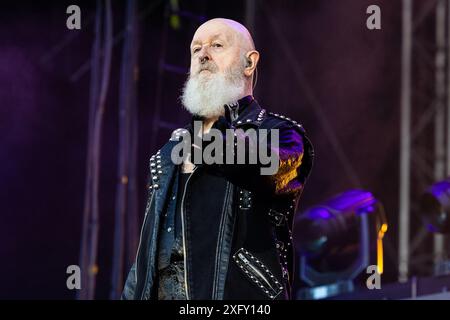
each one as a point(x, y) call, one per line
point(232, 28)
point(220, 45)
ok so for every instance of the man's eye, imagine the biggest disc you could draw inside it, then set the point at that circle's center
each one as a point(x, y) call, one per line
point(217, 45)
point(196, 50)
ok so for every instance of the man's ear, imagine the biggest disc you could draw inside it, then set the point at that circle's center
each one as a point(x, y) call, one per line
point(252, 59)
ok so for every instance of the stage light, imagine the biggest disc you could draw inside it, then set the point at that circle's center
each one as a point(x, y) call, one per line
point(435, 207)
point(336, 241)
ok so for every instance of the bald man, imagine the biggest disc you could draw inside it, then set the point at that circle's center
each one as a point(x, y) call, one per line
point(222, 230)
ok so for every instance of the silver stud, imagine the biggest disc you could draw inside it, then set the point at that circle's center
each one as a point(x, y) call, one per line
point(159, 171)
point(153, 171)
point(155, 186)
point(239, 122)
point(248, 120)
point(169, 229)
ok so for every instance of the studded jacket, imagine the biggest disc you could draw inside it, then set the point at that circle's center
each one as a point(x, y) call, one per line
point(254, 254)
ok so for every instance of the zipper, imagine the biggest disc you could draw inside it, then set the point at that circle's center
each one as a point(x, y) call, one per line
point(233, 111)
point(259, 273)
point(186, 288)
point(220, 240)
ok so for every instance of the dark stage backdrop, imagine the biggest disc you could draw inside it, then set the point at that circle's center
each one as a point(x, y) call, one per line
point(352, 74)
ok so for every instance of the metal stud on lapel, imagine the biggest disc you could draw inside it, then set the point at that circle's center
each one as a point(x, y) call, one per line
point(260, 115)
point(155, 161)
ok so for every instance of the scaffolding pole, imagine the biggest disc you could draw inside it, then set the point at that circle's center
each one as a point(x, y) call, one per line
point(439, 117)
point(405, 142)
point(126, 194)
point(448, 94)
point(98, 92)
point(431, 97)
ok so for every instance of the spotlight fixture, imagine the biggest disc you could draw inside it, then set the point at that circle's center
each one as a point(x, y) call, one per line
point(435, 207)
point(336, 241)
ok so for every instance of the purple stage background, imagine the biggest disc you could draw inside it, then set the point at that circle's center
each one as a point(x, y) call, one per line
point(352, 71)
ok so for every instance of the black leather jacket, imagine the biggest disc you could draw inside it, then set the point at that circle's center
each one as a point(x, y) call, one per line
point(254, 255)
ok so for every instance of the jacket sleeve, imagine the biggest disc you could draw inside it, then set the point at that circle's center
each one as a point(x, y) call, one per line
point(130, 284)
point(292, 162)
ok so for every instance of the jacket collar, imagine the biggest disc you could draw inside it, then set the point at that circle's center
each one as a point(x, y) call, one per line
point(246, 111)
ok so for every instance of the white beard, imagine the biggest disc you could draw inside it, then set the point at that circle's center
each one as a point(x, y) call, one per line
point(206, 93)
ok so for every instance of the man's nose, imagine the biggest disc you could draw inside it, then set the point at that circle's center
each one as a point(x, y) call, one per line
point(204, 55)
point(204, 59)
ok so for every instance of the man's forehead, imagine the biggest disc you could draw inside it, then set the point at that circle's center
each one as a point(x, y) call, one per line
point(215, 32)
point(232, 31)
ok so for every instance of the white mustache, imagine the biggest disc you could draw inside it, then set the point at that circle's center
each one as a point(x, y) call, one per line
point(210, 66)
